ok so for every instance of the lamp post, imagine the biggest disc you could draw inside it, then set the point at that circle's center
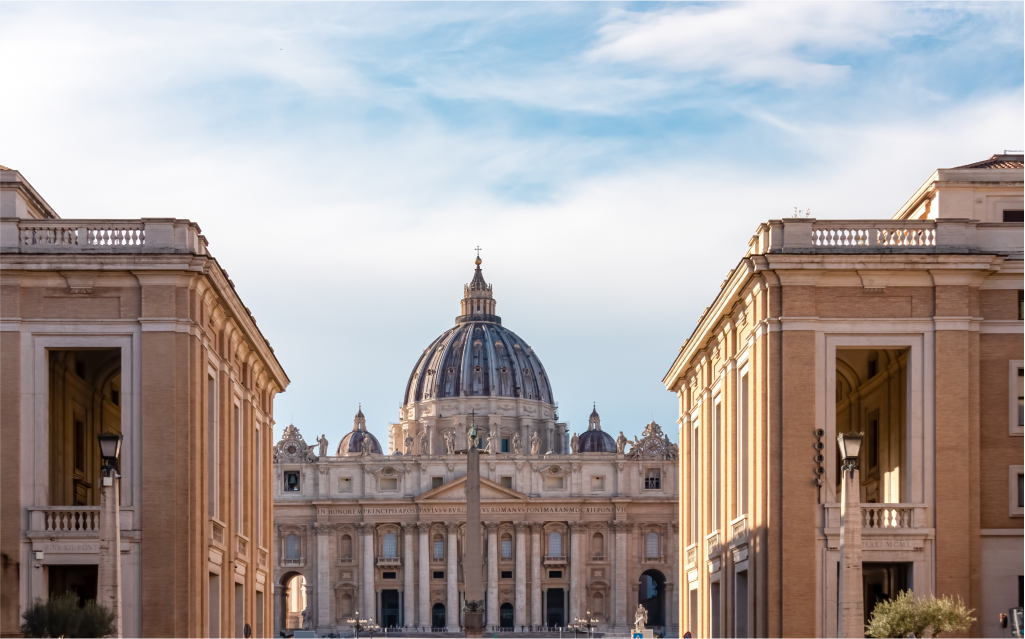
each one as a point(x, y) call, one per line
point(358, 624)
point(108, 578)
point(588, 623)
point(852, 606)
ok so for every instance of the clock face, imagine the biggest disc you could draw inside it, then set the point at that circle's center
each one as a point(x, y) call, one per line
point(652, 446)
point(291, 448)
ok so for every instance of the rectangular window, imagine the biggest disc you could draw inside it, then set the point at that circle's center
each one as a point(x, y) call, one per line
point(79, 445)
point(506, 482)
point(694, 458)
point(1014, 216)
point(389, 483)
point(507, 548)
point(873, 441)
point(505, 444)
point(345, 484)
point(1021, 305)
point(213, 481)
point(555, 574)
point(507, 574)
point(258, 499)
point(598, 483)
point(742, 430)
point(1016, 491)
point(292, 481)
point(115, 397)
point(238, 470)
point(387, 575)
point(438, 574)
point(1016, 392)
point(716, 429)
point(554, 483)
point(439, 550)
point(653, 479)
point(437, 482)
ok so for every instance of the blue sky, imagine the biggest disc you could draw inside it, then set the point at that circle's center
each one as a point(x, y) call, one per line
point(611, 159)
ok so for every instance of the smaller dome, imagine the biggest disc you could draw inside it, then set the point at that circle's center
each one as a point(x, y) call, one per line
point(352, 444)
point(596, 441)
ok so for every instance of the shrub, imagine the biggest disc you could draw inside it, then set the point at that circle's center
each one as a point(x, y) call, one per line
point(926, 617)
point(61, 616)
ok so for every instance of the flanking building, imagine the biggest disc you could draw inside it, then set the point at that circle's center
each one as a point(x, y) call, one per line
point(132, 327)
point(571, 522)
point(907, 329)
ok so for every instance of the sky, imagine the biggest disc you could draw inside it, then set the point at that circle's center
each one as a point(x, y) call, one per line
point(611, 160)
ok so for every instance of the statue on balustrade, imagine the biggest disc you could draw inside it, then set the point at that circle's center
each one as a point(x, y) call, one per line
point(407, 445)
point(517, 444)
point(535, 444)
point(574, 443)
point(322, 440)
point(450, 443)
point(425, 443)
point(640, 618)
point(491, 443)
point(621, 442)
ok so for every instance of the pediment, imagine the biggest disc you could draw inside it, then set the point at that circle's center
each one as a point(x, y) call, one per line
point(455, 491)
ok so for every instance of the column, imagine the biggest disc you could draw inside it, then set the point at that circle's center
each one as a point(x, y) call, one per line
point(452, 607)
point(520, 605)
point(407, 575)
point(323, 575)
point(535, 574)
point(674, 606)
point(622, 531)
point(369, 591)
point(575, 562)
point(492, 602)
point(425, 565)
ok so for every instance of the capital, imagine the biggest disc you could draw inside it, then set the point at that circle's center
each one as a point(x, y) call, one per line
point(576, 526)
point(536, 526)
point(409, 528)
point(521, 526)
point(491, 527)
point(322, 529)
point(425, 527)
point(452, 527)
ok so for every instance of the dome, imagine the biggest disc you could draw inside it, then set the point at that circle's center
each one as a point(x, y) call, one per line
point(352, 443)
point(594, 439)
point(478, 357)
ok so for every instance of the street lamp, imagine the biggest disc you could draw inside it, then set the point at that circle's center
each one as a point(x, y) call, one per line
point(358, 624)
point(852, 606)
point(108, 578)
point(588, 623)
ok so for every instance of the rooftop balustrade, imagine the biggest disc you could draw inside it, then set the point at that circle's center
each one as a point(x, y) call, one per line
point(146, 235)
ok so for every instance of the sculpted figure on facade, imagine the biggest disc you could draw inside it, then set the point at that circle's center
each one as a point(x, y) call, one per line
point(535, 444)
point(517, 444)
point(365, 446)
point(310, 455)
point(322, 441)
point(450, 443)
point(425, 442)
point(640, 618)
point(621, 442)
point(407, 445)
point(574, 443)
point(490, 447)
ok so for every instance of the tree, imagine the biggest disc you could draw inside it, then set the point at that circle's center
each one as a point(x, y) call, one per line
point(925, 617)
point(61, 616)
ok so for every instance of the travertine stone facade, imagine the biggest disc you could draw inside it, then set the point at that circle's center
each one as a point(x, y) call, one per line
point(132, 326)
point(909, 330)
point(569, 524)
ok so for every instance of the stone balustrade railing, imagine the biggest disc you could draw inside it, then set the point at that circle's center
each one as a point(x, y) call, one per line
point(692, 555)
point(242, 544)
point(738, 531)
point(146, 235)
point(389, 561)
point(712, 546)
point(262, 558)
point(882, 516)
point(808, 235)
point(652, 560)
point(554, 561)
point(65, 519)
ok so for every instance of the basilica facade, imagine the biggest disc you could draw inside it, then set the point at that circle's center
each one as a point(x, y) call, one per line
point(574, 525)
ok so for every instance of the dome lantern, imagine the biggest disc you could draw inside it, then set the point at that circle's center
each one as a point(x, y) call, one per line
point(478, 303)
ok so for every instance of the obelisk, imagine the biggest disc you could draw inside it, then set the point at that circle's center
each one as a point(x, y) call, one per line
point(473, 608)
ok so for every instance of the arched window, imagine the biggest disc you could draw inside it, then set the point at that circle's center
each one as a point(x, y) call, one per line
point(506, 545)
point(597, 545)
point(346, 547)
point(555, 545)
point(389, 546)
point(598, 604)
point(439, 547)
point(292, 548)
point(651, 549)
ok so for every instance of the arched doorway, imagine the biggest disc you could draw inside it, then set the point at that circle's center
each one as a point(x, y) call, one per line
point(652, 595)
point(438, 616)
point(293, 600)
point(506, 615)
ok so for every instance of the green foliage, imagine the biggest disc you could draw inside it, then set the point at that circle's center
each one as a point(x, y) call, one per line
point(61, 616)
point(925, 617)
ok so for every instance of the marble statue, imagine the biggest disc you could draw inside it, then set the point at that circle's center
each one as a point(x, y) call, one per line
point(307, 618)
point(621, 443)
point(490, 447)
point(407, 445)
point(574, 443)
point(322, 440)
point(365, 445)
point(309, 455)
point(450, 443)
point(640, 618)
point(425, 443)
point(517, 444)
point(535, 444)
